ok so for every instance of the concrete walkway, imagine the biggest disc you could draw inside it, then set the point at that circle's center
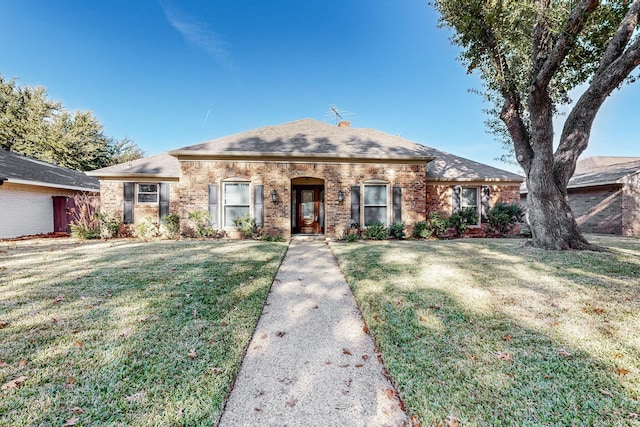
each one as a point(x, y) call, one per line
point(310, 362)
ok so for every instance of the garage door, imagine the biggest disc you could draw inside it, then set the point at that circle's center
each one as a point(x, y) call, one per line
point(23, 213)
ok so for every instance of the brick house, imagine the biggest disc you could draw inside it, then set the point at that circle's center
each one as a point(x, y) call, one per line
point(303, 177)
point(604, 195)
point(37, 197)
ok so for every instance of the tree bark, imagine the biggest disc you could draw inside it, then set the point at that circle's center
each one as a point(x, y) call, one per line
point(549, 215)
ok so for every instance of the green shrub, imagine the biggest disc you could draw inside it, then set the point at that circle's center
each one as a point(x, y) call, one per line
point(108, 224)
point(377, 231)
point(353, 237)
point(82, 232)
point(201, 221)
point(246, 225)
point(462, 219)
point(397, 230)
point(503, 216)
point(147, 229)
point(171, 226)
point(437, 223)
point(272, 238)
point(422, 230)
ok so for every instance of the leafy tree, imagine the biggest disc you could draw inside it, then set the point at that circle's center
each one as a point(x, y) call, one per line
point(530, 54)
point(35, 126)
point(123, 151)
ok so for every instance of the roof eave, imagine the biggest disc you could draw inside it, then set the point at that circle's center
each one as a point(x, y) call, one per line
point(51, 185)
point(133, 175)
point(476, 179)
point(260, 156)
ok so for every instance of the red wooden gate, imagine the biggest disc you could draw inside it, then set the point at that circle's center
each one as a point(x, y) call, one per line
point(61, 208)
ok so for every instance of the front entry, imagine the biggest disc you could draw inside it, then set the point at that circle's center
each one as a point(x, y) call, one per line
point(308, 209)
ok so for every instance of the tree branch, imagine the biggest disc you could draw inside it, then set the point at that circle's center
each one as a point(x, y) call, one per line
point(621, 38)
point(577, 128)
point(547, 65)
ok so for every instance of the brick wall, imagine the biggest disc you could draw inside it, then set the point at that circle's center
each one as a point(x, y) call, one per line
point(112, 201)
point(598, 209)
point(197, 175)
point(439, 196)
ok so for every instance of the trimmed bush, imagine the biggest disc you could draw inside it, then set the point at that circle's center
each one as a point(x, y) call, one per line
point(147, 229)
point(377, 231)
point(422, 230)
point(108, 224)
point(462, 219)
point(397, 230)
point(201, 221)
point(503, 216)
point(171, 226)
point(246, 225)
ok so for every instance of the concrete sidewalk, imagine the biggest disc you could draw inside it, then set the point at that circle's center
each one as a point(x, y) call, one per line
point(310, 362)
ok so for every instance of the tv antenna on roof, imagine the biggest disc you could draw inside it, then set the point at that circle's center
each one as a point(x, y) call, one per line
point(336, 112)
point(340, 114)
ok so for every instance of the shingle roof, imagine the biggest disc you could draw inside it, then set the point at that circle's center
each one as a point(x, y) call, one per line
point(306, 139)
point(312, 140)
point(26, 170)
point(603, 170)
point(159, 166)
point(447, 167)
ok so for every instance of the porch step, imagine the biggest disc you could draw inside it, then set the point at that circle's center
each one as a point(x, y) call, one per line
point(308, 237)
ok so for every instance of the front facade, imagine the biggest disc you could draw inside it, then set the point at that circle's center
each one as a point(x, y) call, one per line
point(36, 197)
point(304, 177)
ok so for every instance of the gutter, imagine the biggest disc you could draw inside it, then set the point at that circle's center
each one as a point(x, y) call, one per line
point(50, 185)
point(263, 157)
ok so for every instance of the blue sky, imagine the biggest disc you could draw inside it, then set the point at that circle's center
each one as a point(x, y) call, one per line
point(174, 73)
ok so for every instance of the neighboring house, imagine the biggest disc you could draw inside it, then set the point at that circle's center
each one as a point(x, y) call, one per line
point(35, 196)
point(303, 177)
point(604, 194)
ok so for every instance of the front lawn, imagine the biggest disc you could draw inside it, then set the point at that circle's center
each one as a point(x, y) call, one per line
point(490, 333)
point(126, 332)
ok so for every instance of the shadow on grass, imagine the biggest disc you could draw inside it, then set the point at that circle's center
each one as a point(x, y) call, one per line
point(496, 334)
point(128, 332)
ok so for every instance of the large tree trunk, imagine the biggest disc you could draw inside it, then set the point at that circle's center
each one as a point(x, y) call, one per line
point(549, 215)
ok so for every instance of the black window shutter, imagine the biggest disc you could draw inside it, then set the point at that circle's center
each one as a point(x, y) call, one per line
point(163, 193)
point(128, 203)
point(455, 201)
point(213, 204)
point(485, 202)
point(397, 204)
point(258, 204)
point(355, 204)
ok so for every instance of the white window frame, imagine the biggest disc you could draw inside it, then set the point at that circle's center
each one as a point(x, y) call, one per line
point(224, 205)
point(138, 193)
point(478, 202)
point(387, 206)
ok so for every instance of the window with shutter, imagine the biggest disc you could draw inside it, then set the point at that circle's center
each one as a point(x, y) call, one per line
point(258, 204)
point(128, 203)
point(213, 204)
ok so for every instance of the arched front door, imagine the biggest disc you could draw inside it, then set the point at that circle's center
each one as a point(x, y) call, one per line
point(307, 207)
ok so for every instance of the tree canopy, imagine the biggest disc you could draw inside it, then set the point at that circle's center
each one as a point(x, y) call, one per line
point(33, 125)
point(530, 55)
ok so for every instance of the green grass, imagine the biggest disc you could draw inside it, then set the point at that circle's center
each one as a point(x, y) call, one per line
point(496, 334)
point(103, 331)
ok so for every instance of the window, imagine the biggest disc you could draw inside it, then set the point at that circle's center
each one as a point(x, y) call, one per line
point(469, 198)
point(236, 197)
point(375, 203)
point(147, 193)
